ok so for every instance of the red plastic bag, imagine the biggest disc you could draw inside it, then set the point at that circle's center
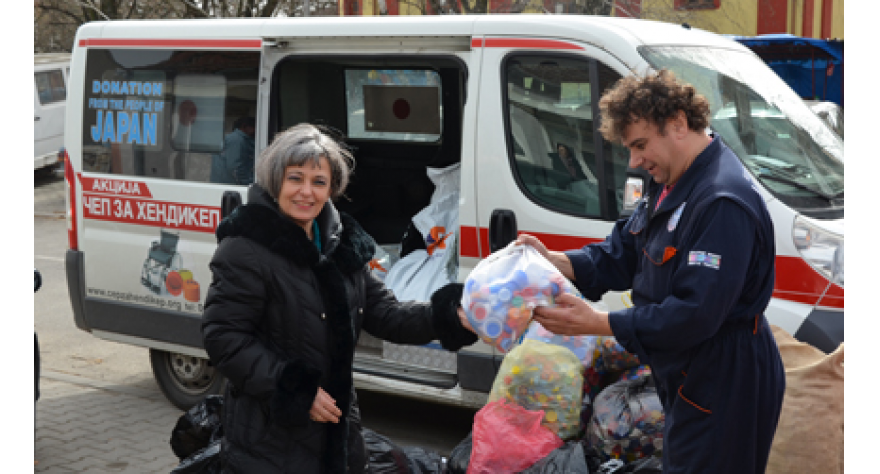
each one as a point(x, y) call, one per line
point(507, 438)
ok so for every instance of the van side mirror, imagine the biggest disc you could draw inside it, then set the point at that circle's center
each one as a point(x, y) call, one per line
point(633, 190)
point(502, 229)
point(228, 203)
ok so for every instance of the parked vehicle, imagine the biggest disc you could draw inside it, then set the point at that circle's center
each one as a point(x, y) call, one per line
point(51, 71)
point(496, 95)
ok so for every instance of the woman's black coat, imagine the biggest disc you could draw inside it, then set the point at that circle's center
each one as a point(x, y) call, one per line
point(282, 319)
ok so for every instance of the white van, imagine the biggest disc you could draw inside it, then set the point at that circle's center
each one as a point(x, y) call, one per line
point(51, 71)
point(150, 102)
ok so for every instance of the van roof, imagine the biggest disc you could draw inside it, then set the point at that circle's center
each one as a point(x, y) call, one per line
point(600, 31)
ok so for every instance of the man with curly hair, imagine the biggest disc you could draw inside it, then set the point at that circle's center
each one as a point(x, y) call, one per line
point(698, 254)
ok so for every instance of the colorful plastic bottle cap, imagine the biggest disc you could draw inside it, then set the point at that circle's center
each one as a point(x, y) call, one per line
point(504, 294)
point(493, 328)
point(520, 279)
point(504, 344)
point(192, 291)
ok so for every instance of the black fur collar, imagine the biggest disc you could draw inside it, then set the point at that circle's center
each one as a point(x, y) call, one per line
point(350, 247)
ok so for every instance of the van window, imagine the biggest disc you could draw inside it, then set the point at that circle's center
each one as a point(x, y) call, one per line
point(381, 104)
point(785, 146)
point(50, 86)
point(171, 114)
point(552, 134)
point(390, 183)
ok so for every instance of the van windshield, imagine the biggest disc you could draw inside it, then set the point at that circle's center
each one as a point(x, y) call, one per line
point(786, 146)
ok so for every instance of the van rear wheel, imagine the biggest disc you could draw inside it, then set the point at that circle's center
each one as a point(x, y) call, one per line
point(185, 380)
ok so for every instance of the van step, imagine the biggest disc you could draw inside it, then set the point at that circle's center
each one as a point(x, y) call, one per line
point(394, 370)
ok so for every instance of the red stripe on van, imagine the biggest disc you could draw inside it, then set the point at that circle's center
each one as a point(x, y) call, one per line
point(802, 298)
point(527, 43)
point(794, 277)
point(468, 241)
point(833, 298)
point(473, 239)
point(172, 43)
point(796, 280)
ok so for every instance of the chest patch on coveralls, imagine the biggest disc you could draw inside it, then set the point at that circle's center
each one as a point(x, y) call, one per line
point(705, 259)
point(676, 216)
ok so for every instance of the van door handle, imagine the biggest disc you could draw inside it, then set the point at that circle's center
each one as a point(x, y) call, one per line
point(36, 119)
point(229, 202)
point(502, 229)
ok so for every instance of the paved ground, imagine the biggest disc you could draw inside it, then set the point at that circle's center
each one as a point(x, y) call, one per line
point(86, 426)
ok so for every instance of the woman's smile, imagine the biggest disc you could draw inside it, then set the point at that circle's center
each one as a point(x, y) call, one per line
point(304, 192)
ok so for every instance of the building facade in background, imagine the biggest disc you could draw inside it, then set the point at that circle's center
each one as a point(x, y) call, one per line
point(811, 18)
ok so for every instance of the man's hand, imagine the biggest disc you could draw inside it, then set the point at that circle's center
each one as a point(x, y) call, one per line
point(573, 316)
point(558, 259)
point(534, 242)
point(324, 408)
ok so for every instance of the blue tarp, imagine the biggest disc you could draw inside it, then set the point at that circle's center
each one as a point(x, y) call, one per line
point(803, 63)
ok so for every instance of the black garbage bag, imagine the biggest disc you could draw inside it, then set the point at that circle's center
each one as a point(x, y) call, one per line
point(203, 461)
point(570, 458)
point(198, 427)
point(423, 461)
point(388, 458)
point(628, 420)
point(385, 457)
point(650, 465)
point(460, 457)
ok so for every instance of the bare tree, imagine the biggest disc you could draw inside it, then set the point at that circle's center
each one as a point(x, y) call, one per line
point(457, 7)
point(56, 21)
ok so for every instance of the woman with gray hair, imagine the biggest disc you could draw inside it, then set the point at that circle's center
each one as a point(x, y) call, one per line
point(291, 291)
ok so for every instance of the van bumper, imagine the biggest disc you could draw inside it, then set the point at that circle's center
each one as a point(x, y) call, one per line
point(159, 328)
point(823, 328)
point(76, 290)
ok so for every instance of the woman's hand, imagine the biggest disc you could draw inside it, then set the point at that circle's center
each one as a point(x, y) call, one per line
point(324, 409)
point(462, 316)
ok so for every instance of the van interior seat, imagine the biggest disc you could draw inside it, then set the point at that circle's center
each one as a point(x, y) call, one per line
point(531, 136)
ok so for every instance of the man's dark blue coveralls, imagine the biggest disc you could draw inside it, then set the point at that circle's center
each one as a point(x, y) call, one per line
point(701, 269)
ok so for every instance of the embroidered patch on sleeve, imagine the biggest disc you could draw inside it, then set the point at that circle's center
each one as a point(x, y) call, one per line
point(705, 259)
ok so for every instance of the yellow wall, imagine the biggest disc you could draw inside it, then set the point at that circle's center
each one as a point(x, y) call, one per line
point(740, 17)
point(837, 20)
point(735, 17)
point(796, 11)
